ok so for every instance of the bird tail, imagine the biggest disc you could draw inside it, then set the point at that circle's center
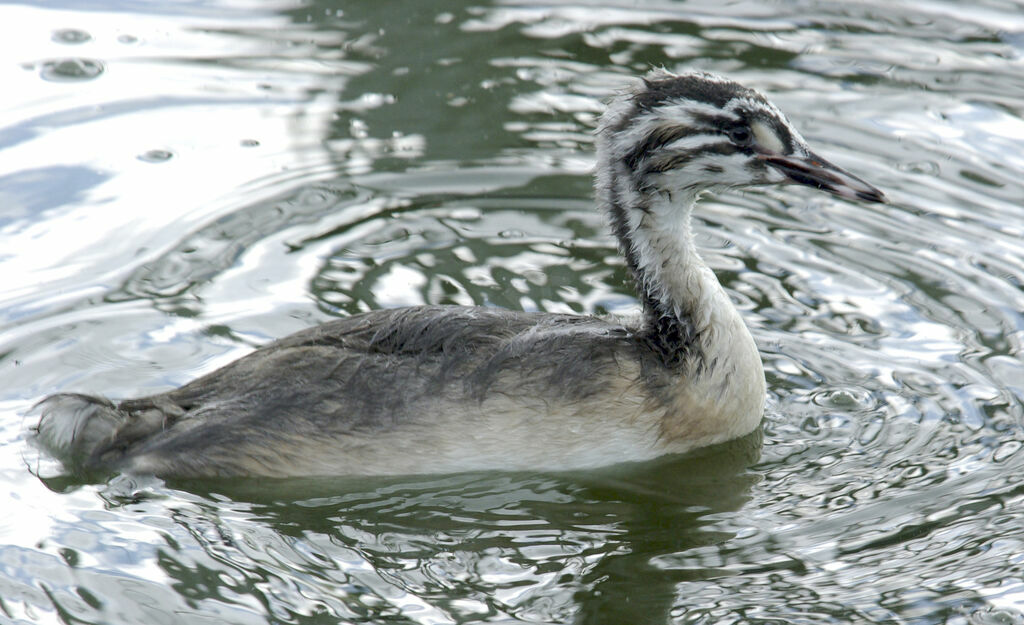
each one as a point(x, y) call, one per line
point(77, 429)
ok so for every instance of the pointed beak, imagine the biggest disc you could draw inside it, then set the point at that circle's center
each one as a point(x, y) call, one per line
point(814, 171)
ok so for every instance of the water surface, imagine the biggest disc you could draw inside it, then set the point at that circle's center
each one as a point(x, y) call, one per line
point(183, 182)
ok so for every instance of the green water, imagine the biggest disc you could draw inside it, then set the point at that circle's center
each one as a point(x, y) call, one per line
point(182, 182)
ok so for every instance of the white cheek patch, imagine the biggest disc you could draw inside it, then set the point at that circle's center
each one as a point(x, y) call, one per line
point(686, 112)
point(766, 137)
point(694, 142)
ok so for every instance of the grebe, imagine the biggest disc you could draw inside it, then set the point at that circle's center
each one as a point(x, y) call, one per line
point(437, 389)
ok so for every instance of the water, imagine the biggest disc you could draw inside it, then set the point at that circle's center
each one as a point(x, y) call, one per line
point(182, 182)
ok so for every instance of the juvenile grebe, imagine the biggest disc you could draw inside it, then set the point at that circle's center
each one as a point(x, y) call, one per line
point(437, 389)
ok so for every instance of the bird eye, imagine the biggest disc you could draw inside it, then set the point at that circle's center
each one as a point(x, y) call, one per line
point(741, 135)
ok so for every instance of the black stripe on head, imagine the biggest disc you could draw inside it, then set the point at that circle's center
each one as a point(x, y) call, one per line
point(619, 222)
point(658, 138)
point(696, 87)
point(781, 131)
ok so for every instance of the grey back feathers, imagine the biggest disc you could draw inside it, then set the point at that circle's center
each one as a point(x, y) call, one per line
point(362, 376)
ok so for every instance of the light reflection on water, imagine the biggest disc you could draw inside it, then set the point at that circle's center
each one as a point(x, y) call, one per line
point(182, 185)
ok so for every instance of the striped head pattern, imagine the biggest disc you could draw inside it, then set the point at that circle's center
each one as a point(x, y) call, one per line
point(683, 134)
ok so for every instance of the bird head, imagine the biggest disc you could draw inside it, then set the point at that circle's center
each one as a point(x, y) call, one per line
point(698, 131)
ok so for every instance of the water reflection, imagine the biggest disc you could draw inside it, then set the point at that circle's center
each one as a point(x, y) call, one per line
point(551, 548)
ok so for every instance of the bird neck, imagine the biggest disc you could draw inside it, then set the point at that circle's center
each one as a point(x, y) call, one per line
point(681, 297)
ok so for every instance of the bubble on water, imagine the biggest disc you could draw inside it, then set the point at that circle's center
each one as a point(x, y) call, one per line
point(71, 69)
point(156, 156)
point(71, 36)
point(844, 398)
